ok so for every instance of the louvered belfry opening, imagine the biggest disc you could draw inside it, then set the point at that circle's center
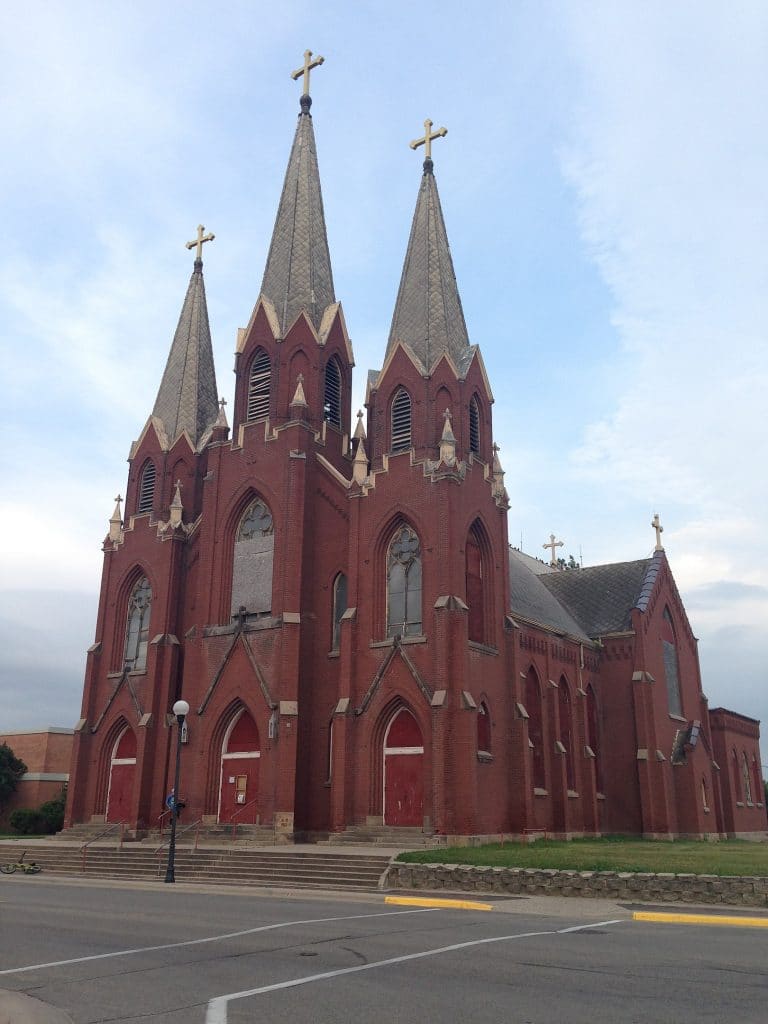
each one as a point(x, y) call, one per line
point(401, 421)
point(259, 381)
point(332, 394)
point(146, 488)
point(474, 427)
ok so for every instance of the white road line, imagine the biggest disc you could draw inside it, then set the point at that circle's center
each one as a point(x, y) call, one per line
point(217, 1008)
point(210, 938)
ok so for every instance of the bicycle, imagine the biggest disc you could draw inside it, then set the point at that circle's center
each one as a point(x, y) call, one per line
point(28, 867)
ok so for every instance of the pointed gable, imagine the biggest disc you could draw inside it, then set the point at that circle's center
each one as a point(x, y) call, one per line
point(428, 316)
point(298, 271)
point(187, 400)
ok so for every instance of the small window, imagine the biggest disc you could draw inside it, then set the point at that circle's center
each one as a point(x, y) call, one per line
point(474, 426)
point(259, 381)
point(404, 584)
point(146, 488)
point(483, 729)
point(137, 627)
point(704, 798)
point(339, 607)
point(332, 394)
point(401, 421)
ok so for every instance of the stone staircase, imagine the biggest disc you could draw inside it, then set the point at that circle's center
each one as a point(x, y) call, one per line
point(384, 835)
point(232, 865)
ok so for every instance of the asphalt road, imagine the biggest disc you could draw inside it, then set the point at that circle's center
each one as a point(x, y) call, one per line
point(187, 955)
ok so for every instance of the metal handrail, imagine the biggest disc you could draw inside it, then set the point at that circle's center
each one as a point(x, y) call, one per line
point(240, 811)
point(195, 824)
point(161, 818)
point(100, 835)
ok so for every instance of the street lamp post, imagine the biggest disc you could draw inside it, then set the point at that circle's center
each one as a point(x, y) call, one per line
point(180, 710)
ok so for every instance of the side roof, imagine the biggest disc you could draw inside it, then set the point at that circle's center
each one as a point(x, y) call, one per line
point(532, 601)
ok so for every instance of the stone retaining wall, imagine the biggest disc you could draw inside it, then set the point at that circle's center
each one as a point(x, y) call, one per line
point(645, 886)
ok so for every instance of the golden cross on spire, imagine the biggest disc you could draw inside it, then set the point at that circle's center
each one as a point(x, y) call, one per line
point(198, 242)
point(656, 524)
point(553, 544)
point(309, 65)
point(429, 135)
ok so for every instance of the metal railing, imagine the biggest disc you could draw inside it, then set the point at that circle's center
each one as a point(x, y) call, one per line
point(240, 811)
point(161, 818)
point(180, 832)
point(100, 835)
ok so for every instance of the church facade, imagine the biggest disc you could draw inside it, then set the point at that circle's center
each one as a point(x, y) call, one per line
point(341, 608)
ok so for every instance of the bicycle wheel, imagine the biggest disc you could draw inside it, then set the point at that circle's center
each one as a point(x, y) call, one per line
point(7, 869)
point(32, 869)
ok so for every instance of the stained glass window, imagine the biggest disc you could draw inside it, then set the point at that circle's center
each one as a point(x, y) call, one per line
point(137, 629)
point(404, 584)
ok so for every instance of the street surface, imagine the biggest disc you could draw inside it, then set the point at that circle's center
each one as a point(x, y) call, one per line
point(189, 954)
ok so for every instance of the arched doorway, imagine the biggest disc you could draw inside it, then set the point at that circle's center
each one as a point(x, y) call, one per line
point(122, 772)
point(239, 785)
point(403, 771)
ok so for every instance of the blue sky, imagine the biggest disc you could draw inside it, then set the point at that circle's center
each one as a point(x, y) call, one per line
point(603, 184)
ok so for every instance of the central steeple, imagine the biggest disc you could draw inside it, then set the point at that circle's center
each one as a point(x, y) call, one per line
point(428, 316)
point(298, 271)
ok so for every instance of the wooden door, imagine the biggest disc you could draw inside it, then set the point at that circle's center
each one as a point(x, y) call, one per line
point(122, 774)
point(239, 783)
point(403, 772)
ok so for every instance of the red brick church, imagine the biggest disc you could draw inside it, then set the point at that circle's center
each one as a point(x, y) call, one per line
point(358, 642)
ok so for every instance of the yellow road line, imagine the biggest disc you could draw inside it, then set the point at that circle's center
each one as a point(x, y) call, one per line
point(423, 901)
point(731, 920)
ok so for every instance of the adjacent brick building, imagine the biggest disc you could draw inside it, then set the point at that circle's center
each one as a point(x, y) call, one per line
point(46, 753)
point(342, 610)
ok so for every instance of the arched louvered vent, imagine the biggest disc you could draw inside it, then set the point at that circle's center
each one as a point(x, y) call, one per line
point(258, 387)
point(146, 488)
point(401, 421)
point(332, 395)
point(474, 427)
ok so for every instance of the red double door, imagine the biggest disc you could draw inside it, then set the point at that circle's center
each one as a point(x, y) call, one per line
point(403, 771)
point(122, 776)
point(239, 786)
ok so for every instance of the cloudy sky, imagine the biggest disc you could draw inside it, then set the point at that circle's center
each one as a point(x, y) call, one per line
point(604, 186)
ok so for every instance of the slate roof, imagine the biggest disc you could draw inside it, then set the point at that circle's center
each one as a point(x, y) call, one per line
point(532, 600)
point(428, 314)
point(187, 398)
point(298, 271)
point(601, 597)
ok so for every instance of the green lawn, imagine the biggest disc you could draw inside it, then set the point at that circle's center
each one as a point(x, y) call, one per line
point(731, 857)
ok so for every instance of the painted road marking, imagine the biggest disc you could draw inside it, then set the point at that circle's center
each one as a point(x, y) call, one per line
point(731, 921)
point(217, 1008)
point(209, 938)
point(443, 904)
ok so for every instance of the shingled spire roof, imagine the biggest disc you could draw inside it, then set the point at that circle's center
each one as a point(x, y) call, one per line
point(298, 272)
point(428, 316)
point(188, 397)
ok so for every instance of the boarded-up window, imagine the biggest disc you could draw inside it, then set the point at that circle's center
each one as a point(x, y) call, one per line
point(404, 584)
point(339, 607)
point(671, 668)
point(137, 627)
point(475, 588)
point(483, 728)
point(252, 568)
point(746, 778)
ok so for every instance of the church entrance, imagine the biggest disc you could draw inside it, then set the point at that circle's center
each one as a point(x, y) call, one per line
point(403, 771)
point(122, 772)
point(239, 786)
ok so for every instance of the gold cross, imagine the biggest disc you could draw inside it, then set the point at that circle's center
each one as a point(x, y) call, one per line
point(656, 524)
point(429, 135)
point(553, 544)
point(309, 64)
point(199, 241)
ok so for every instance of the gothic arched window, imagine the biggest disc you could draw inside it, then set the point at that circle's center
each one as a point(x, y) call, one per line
point(474, 426)
point(404, 584)
point(252, 563)
point(259, 382)
point(475, 583)
point(535, 729)
point(593, 736)
point(332, 393)
point(671, 666)
point(401, 421)
point(146, 488)
point(567, 737)
point(746, 779)
point(339, 607)
point(137, 626)
point(483, 728)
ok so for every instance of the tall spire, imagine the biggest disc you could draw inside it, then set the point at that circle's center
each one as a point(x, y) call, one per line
point(428, 316)
point(187, 398)
point(298, 272)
